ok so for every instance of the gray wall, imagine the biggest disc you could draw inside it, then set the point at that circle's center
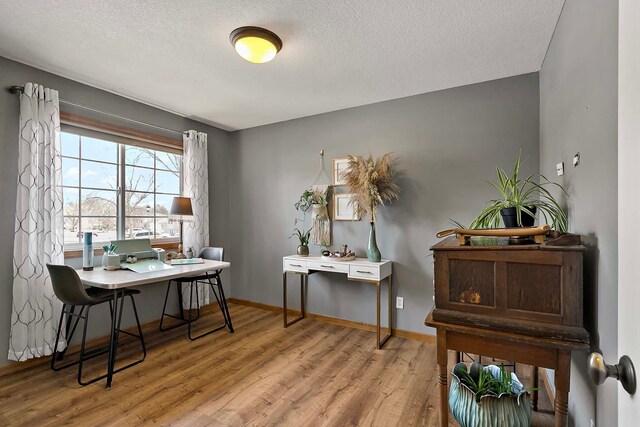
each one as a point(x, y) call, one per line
point(578, 113)
point(12, 73)
point(445, 142)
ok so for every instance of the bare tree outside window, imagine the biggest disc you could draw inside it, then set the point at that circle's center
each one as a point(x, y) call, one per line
point(90, 175)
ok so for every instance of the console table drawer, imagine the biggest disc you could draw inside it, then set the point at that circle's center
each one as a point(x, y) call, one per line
point(328, 266)
point(295, 265)
point(364, 272)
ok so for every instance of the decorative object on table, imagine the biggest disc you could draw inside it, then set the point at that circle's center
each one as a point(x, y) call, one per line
point(189, 253)
point(342, 255)
point(520, 200)
point(303, 238)
point(339, 166)
point(344, 208)
point(110, 259)
point(181, 211)
point(87, 251)
point(488, 397)
point(170, 255)
point(372, 184)
point(464, 235)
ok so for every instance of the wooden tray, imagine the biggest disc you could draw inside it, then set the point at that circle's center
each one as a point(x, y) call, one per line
point(343, 259)
point(463, 235)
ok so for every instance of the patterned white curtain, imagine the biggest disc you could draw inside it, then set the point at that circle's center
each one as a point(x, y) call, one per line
point(38, 226)
point(195, 184)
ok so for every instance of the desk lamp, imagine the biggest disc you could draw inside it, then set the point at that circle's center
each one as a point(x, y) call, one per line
point(181, 211)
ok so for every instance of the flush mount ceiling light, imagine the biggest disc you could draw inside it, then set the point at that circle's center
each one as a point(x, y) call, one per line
point(255, 44)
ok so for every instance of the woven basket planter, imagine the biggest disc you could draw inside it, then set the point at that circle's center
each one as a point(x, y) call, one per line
point(503, 411)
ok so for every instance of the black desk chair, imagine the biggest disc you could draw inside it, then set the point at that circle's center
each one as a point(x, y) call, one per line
point(210, 278)
point(69, 289)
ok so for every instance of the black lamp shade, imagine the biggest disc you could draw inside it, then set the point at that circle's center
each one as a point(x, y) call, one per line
point(181, 208)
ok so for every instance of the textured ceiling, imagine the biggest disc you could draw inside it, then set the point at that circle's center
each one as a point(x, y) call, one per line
point(337, 54)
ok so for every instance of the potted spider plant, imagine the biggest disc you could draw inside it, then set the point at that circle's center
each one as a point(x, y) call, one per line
point(520, 200)
point(303, 238)
point(488, 396)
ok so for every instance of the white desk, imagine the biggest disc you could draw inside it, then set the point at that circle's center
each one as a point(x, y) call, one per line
point(119, 280)
point(360, 269)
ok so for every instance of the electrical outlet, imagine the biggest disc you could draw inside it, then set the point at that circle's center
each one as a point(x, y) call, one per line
point(400, 302)
point(560, 168)
point(576, 160)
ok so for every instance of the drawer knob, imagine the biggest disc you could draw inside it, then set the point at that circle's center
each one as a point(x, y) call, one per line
point(296, 265)
point(624, 371)
point(363, 272)
point(327, 266)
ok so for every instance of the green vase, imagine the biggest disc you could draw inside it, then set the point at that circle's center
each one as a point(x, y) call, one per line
point(373, 253)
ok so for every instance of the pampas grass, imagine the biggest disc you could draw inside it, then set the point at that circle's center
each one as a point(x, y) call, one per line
point(371, 183)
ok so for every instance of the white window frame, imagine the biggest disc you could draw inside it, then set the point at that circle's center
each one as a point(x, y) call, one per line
point(121, 165)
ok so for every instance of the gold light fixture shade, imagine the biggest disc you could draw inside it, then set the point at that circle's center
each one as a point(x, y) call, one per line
point(255, 44)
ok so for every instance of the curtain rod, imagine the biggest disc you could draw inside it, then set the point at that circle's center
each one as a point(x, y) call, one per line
point(20, 89)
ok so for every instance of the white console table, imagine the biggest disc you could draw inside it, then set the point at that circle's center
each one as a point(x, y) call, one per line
point(360, 269)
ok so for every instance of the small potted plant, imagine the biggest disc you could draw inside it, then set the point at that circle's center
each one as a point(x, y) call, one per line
point(303, 238)
point(519, 202)
point(489, 397)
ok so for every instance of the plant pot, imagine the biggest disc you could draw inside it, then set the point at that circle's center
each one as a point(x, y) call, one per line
point(373, 253)
point(510, 217)
point(111, 262)
point(303, 250)
point(491, 411)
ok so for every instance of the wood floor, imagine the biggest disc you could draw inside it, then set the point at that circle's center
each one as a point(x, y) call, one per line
point(311, 374)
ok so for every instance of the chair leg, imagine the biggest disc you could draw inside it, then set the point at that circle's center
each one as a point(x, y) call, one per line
point(82, 345)
point(180, 299)
point(192, 338)
point(55, 346)
point(190, 308)
point(224, 302)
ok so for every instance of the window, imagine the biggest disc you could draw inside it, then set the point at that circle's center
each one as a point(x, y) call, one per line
point(117, 191)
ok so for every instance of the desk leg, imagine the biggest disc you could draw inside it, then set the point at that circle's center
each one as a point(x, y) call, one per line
point(303, 279)
point(562, 381)
point(443, 372)
point(379, 343)
point(113, 343)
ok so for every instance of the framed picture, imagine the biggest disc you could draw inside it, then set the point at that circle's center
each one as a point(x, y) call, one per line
point(339, 166)
point(343, 209)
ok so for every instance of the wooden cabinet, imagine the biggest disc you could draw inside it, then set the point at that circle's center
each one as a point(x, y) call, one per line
point(520, 303)
point(532, 289)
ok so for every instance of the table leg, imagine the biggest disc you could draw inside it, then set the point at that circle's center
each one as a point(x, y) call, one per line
point(534, 392)
point(562, 381)
point(303, 278)
point(442, 376)
point(380, 343)
point(113, 341)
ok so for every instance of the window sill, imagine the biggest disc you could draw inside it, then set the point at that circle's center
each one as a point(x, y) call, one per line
point(77, 253)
